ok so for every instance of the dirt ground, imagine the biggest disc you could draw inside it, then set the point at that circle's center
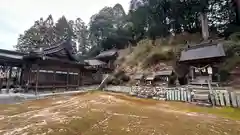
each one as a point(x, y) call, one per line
point(99, 113)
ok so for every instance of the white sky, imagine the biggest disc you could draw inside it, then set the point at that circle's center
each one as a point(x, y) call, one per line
point(18, 15)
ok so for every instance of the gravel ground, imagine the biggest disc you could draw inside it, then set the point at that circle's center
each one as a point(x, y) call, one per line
point(102, 113)
point(12, 98)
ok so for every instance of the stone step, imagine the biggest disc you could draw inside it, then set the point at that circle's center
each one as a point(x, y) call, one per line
point(205, 88)
point(201, 96)
point(201, 91)
point(159, 98)
point(204, 104)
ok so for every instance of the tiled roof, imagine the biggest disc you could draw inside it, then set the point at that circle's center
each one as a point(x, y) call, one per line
point(150, 77)
point(204, 51)
point(11, 54)
point(164, 73)
point(94, 62)
point(138, 76)
point(108, 53)
point(62, 48)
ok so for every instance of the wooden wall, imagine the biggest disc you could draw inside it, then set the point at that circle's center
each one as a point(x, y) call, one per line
point(51, 76)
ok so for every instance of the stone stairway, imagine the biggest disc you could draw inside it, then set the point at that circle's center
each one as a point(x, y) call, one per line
point(201, 94)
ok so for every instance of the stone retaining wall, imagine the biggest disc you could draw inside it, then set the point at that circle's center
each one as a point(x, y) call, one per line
point(122, 89)
point(159, 93)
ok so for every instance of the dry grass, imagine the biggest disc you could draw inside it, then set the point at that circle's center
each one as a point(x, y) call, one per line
point(99, 113)
point(146, 56)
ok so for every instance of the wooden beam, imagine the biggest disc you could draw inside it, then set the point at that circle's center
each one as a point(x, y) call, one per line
point(58, 68)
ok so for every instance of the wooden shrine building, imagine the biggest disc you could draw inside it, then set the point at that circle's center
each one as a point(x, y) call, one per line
point(48, 68)
point(53, 67)
point(93, 71)
point(203, 60)
point(159, 78)
point(109, 58)
point(138, 78)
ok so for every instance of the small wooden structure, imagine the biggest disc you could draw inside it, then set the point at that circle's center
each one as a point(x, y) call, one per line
point(108, 57)
point(138, 77)
point(203, 60)
point(94, 70)
point(150, 79)
point(164, 75)
point(159, 77)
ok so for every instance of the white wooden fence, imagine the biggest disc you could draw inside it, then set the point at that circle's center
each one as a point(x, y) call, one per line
point(178, 95)
point(216, 98)
point(184, 94)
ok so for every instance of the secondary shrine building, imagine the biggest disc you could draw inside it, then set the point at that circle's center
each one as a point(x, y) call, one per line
point(204, 60)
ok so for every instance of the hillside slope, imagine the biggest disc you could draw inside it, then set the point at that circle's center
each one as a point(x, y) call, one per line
point(147, 57)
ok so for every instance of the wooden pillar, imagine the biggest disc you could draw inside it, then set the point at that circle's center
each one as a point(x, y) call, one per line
point(9, 79)
point(29, 77)
point(1, 79)
point(67, 78)
point(192, 72)
point(54, 79)
point(78, 79)
point(37, 79)
point(237, 10)
point(19, 74)
point(23, 68)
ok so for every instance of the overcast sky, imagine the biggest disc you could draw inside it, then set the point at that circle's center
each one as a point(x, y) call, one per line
point(18, 15)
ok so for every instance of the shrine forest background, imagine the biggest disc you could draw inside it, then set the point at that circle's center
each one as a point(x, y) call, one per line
point(171, 22)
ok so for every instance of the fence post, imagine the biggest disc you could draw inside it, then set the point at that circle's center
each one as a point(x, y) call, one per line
point(182, 95)
point(212, 94)
point(217, 99)
point(227, 98)
point(186, 95)
point(179, 95)
point(221, 99)
point(238, 100)
point(233, 99)
point(189, 96)
point(173, 94)
point(168, 95)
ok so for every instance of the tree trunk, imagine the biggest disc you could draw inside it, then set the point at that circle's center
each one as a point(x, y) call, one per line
point(237, 10)
point(204, 24)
